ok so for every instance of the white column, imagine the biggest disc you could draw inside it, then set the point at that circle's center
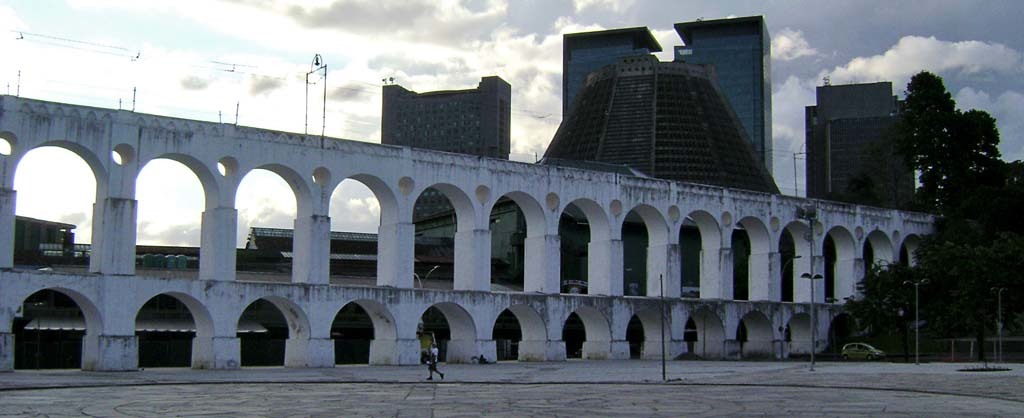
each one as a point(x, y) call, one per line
point(311, 248)
point(802, 286)
point(604, 267)
point(7, 201)
point(664, 261)
point(543, 264)
point(217, 353)
point(774, 277)
point(473, 260)
point(309, 352)
point(759, 276)
point(725, 279)
point(113, 236)
point(394, 352)
point(846, 284)
point(110, 352)
point(859, 270)
point(541, 350)
point(217, 244)
point(6, 352)
point(396, 255)
point(710, 274)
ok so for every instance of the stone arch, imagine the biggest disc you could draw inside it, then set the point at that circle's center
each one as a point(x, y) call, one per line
point(532, 252)
point(465, 210)
point(911, 243)
point(758, 283)
point(385, 331)
point(644, 263)
point(598, 330)
point(463, 344)
point(844, 284)
point(297, 182)
point(580, 271)
point(536, 223)
point(95, 163)
point(295, 317)
point(710, 334)
point(90, 358)
point(710, 235)
point(533, 344)
point(207, 180)
point(202, 355)
point(759, 338)
point(798, 340)
point(386, 197)
point(650, 319)
point(881, 247)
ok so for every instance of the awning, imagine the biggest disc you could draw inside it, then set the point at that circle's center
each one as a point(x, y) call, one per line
point(143, 325)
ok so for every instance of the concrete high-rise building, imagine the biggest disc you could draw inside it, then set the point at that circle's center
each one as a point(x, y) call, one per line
point(586, 52)
point(474, 121)
point(667, 120)
point(740, 50)
point(850, 155)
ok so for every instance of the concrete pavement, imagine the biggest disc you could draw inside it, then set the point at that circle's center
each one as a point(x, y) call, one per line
point(573, 388)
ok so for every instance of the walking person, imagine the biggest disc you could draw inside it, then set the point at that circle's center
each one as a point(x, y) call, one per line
point(432, 362)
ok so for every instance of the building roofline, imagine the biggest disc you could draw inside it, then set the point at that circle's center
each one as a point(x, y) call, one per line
point(685, 29)
point(642, 35)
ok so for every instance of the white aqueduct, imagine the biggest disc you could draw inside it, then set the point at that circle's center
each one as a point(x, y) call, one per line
point(111, 294)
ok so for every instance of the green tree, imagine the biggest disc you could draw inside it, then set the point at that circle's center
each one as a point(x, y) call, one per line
point(887, 304)
point(955, 152)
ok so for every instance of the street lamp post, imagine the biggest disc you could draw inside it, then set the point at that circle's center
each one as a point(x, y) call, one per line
point(917, 317)
point(809, 213)
point(417, 276)
point(999, 321)
point(428, 273)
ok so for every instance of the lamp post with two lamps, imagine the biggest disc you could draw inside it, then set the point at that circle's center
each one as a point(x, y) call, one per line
point(809, 213)
point(417, 276)
point(917, 317)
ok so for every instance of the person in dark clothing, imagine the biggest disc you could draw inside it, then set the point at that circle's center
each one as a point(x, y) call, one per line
point(432, 362)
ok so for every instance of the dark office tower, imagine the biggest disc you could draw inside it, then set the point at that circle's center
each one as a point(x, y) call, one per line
point(740, 50)
point(850, 154)
point(666, 119)
point(586, 52)
point(474, 121)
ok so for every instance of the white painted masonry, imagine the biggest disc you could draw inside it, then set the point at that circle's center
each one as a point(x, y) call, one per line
point(111, 294)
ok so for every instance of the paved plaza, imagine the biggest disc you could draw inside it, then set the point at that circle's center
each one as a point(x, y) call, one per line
point(573, 388)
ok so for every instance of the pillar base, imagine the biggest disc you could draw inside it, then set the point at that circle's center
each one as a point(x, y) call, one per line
point(652, 349)
point(463, 351)
point(394, 352)
point(217, 353)
point(542, 351)
point(311, 352)
point(6, 352)
point(599, 350)
point(110, 353)
point(731, 350)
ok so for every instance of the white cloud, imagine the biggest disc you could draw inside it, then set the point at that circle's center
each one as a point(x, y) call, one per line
point(788, 101)
point(913, 54)
point(612, 5)
point(789, 44)
point(1007, 108)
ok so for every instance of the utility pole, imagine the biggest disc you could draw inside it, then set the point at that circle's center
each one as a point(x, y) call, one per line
point(661, 282)
point(810, 214)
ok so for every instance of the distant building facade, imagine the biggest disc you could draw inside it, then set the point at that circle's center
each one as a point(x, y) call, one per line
point(586, 52)
point(668, 120)
point(740, 50)
point(475, 121)
point(850, 154)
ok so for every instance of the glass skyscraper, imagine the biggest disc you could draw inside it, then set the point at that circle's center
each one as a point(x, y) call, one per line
point(586, 52)
point(740, 51)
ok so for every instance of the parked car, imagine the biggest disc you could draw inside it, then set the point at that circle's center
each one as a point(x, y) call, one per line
point(861, 351)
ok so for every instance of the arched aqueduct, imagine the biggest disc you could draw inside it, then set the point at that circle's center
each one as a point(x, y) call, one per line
point(116, 145)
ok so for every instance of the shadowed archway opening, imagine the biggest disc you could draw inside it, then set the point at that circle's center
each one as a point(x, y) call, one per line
point(437, 222)
point(352, 332)
point(574, 334)
point(829, 252)
point(49, 333)
point(787, 255)
point(740, 264)
point(690, 245)
point(262, 333)
point(635, 337)
point(507, 335)
point(840, 332)
point(434, 327)
point(508, 245)
point(574, 231)
point(165, 329)
point(708, 334)
point(634, 255)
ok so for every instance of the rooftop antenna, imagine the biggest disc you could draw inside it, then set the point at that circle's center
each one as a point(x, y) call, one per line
point(827, 80)
point(20, 36)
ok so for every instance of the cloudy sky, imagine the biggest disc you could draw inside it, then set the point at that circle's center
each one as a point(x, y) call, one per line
point(201, 59)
